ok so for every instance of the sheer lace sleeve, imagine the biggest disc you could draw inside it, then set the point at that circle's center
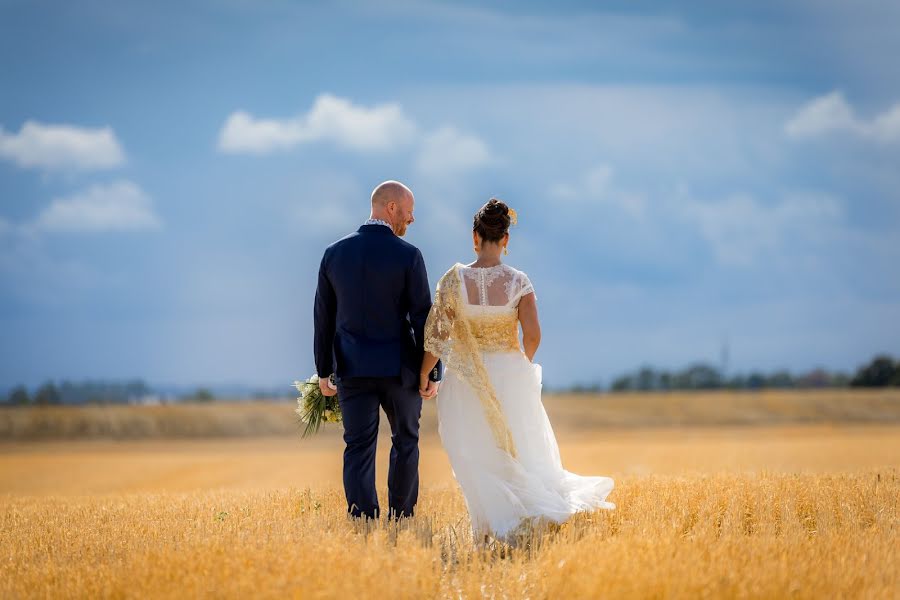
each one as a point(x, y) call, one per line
point(439, 325)
point(521, 285)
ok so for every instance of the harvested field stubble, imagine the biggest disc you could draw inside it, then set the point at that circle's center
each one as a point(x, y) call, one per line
point(724, 535)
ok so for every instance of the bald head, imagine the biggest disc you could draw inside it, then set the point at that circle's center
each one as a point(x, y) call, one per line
point(389, 191)
point(393, 202)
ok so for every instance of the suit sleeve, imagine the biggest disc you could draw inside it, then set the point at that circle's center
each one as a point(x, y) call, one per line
point(324, 315)
point(419, 307)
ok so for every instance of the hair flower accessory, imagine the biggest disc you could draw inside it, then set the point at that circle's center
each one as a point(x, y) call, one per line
point(513, 216)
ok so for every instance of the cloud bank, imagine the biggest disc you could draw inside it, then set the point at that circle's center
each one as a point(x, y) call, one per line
point(38, 145)
point(832, 113)
point(118, 206)
point(381, 127)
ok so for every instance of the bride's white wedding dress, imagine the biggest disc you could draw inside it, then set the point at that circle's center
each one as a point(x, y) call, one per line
point(491, 420)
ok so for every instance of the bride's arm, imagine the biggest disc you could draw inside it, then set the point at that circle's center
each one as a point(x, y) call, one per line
point(429, 360)
point(436, 343)
point(531, 326)
point(437, 330)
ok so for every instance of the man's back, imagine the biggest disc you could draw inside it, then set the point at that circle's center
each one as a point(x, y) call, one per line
point(372, 301)
point(371, 305)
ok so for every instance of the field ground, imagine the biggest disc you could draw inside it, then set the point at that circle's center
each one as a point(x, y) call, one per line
point(791, 509)
point(153, 466)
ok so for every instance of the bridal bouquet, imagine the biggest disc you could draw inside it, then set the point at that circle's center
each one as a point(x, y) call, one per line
point(314, 407)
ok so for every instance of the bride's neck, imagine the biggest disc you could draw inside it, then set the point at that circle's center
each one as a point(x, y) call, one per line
point(487, 259)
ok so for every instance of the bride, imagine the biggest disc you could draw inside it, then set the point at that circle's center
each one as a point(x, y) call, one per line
point(490, 418)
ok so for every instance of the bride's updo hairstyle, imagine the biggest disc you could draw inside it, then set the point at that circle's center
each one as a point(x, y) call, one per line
point(492, 221)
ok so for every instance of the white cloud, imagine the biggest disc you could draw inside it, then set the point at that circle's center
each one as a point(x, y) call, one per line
point(447, 151)
point(244, 133)
point(832, 113)
point(381, 127)
point(825, 114)
point(118, 206)
point(62, 147)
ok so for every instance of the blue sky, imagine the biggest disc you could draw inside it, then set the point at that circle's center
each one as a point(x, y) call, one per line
point(171, 172)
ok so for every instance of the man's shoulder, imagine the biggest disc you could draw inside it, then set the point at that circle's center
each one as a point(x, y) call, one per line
point(410, 248)
point(337, 243)
point(391, 241)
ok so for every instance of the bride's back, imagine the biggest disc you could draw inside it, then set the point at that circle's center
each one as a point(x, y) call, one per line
point(500, 286)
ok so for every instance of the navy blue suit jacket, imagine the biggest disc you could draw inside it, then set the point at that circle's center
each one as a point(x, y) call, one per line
point(372, 301)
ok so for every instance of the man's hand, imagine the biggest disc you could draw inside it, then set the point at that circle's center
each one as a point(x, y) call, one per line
point(427, 389)
point(326, 387)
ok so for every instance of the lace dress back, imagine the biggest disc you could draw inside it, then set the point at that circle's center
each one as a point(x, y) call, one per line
point(500, 286)
point(492, 297)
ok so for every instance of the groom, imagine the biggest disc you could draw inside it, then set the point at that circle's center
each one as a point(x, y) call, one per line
point(371, 304)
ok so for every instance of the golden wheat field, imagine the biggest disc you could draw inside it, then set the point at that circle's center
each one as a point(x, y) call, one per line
point(769, 507)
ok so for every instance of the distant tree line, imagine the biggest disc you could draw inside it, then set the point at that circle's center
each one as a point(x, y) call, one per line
point(94, 392)
point(882, 371)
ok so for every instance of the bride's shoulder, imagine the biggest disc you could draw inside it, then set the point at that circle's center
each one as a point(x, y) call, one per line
point(519, 283)
point(451, 272)
point(517, 272)
point(454, 268)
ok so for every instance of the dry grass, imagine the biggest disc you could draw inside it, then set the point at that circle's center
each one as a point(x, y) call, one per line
point(751, 535)
point(715, 408)
point(116, 421)
point(582, 411)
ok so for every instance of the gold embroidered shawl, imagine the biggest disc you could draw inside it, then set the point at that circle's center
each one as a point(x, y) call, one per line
point(450, 335)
